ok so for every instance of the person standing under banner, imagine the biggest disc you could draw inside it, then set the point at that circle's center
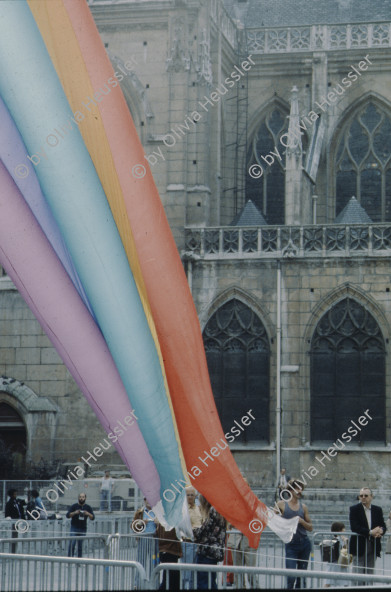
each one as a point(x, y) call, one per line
point(144, 526)
point(297, 552)
point(170, 551)
point(211, 543)
point(188, 546)
point(245, 556)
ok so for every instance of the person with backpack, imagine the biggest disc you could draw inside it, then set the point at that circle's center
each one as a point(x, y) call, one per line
point(332, 553)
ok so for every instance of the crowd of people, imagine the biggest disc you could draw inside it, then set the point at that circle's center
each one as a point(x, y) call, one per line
point(341, 554)
point(361, 550)
point(207, 547)
point(210, 543)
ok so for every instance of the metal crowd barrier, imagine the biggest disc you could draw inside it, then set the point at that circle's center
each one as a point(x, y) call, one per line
point(60, 574)
point(37, 573)
point(140, 548)
point(315, 577)
point(382, 564)
point(93, 546)
point(103, 524)
point(261, 568)
point(270, 553)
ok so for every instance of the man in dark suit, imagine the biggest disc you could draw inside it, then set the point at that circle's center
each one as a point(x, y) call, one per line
point(367, 521)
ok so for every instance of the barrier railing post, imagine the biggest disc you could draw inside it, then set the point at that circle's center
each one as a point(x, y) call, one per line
point(106, 554)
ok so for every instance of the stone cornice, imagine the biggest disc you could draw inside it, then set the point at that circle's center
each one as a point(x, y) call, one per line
point(289, 242)
point(312, 38)
point(146, 15)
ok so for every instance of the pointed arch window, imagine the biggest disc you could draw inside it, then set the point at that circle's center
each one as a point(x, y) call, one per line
point(347, 374)
point(268, 192)
point(363, 163)
point(238, 355)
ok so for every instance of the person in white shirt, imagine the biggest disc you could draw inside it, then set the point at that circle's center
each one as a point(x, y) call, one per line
point(282, 482)
point(106, 489)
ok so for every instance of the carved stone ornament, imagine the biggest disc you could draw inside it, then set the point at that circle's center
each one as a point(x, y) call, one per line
point(178, 56)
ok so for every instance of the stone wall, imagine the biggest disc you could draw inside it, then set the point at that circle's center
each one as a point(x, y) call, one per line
point(308, 289)
point(59, 422)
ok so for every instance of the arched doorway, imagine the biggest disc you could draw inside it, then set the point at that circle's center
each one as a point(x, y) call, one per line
point(12, 442)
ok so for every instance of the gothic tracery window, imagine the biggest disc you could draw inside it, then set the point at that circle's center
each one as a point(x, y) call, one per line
point(238, 352)
point(363, 163)
point(347, 373)
point(268, 192)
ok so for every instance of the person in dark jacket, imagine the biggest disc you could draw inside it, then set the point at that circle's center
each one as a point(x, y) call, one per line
point(367, 521)
point(14, 506)
point(14, 509)
point(210, 537)
point(79, 513)
point(170, 550)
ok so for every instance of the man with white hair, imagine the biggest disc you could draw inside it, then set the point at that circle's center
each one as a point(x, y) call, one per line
point(367, 521)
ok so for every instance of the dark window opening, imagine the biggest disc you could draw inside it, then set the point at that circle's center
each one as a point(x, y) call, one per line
point(363, 163)
point(347, 374)
point(238, 355)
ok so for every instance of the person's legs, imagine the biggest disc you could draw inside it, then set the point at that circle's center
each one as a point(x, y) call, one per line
point(238, 559)
point(203, 576)
point(291, 551)
point(359, 567)
point(14, 535)
point(250, 560)
point(103, 499)
point(365, 564)
point(80, 543)
point(109, 500)
point(228, 560)
point(188, 550)
point(371, 557)
point(172, 576)
point(72, 543)
point(303, 556)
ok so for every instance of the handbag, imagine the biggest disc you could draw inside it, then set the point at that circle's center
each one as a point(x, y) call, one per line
point(329, 550)
point(345, 558)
